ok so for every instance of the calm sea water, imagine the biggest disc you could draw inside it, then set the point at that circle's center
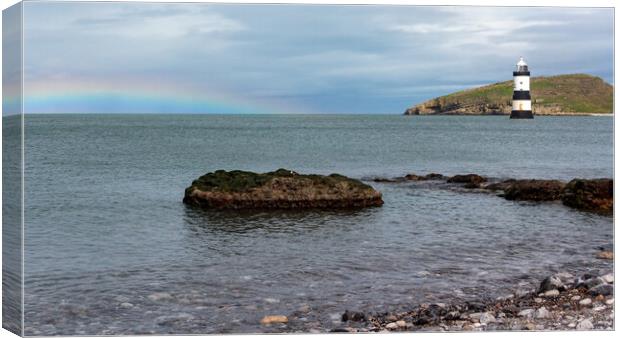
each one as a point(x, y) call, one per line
point(105, 224)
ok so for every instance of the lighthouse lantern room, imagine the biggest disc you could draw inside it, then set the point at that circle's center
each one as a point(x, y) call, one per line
point(521, 100)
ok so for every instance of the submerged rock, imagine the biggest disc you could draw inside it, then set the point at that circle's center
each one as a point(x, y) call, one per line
point(274, 319)
point(414, 177)
point(468, 179)
point(534, 190)
point(503, 185)
point(605, 254)
point(592, 195)
point(434, 176)
point(281, 189)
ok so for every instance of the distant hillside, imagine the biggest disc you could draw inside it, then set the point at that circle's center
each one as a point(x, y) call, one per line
point(571, 94)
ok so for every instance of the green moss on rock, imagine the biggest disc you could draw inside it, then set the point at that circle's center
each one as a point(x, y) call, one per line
point(282, 188)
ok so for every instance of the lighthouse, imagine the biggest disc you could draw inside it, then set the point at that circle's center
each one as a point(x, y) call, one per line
point(521, 100)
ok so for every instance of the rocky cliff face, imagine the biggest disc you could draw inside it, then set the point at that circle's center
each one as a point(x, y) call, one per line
point(575, 94)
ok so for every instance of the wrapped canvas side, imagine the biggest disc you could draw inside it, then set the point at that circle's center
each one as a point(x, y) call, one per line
point(12, 173)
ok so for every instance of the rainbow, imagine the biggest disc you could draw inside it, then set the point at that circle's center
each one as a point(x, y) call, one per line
point(138, 97)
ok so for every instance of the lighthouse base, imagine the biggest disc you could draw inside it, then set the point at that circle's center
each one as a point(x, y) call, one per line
point(521, 114)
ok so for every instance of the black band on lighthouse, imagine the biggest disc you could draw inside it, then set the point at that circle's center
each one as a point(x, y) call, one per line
point(521, 114)
point(521, 73)
point(521, 95)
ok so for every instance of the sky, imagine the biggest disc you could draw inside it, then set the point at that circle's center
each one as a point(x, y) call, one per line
point(233, 58)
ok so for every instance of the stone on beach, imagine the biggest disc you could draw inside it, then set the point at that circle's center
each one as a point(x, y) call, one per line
point(281, 189)
point(551, 283)
point(585, 324)
point(487, 318)
point(392, 326)
point(551, 293)
point(602, 289)
point(528, 313)
point(542, 313)
point(608, 278)
point(585, 302)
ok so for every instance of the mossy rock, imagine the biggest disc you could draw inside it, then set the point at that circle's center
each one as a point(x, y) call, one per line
point(280, 189)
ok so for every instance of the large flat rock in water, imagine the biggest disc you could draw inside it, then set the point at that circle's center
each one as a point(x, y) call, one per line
point(281, 189)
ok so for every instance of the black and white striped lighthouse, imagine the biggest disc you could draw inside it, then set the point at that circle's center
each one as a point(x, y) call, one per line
point(521, 100)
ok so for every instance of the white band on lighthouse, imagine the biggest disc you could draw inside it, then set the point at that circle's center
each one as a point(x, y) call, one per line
point(521, 105)
point(521, 82)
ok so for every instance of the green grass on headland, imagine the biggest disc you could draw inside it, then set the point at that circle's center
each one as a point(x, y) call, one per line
point(553, 95)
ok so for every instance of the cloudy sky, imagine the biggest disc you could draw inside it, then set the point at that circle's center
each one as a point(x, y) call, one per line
point(218, 58)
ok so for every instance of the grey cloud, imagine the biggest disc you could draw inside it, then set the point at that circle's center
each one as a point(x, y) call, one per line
point(316, 57)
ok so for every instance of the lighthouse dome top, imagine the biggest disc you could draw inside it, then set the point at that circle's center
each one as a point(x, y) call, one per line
point(521, 65)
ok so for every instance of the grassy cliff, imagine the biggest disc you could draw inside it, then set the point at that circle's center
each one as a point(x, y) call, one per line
point(571, 94)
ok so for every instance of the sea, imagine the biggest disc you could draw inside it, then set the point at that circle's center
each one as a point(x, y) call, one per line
point(111, 249)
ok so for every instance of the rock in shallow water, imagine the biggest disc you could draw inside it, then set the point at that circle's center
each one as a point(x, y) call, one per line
point(281, 189)
point(551, 283)
point(605, 255)
point(275, 319)
point(593, 195)
point(602, 289)
point(534, 190)
point(469, 178)
point(353, 316)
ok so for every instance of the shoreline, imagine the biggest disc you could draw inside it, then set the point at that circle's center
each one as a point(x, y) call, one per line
point(562, 301)
point(508, 114)
point(581, 304)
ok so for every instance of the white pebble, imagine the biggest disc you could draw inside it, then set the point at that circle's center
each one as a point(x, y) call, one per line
point(609, 301)
point(487, 318)
point(392, 326)
point(585, 325)
point(542, 313)
point(551, 293)
point(586, 301)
